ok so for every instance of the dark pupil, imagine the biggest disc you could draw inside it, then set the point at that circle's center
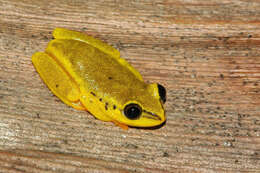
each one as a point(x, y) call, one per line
point(132, 111)
point(162, 92)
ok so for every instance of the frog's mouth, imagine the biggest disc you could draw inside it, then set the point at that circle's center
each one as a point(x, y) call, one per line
point(151, 115)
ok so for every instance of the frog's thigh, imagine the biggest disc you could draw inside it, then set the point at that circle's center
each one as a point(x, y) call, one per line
point(59, 82)
point(61, 33)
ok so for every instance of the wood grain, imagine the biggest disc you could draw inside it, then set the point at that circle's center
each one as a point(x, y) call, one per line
point(206, 53)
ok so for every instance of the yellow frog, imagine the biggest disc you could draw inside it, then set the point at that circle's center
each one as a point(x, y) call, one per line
point(88, 74)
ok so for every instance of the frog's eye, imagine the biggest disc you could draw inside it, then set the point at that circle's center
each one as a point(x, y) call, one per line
point(132, 111)
point(162, 92)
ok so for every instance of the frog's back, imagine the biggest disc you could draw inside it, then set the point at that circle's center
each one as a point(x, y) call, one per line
point(92, 68)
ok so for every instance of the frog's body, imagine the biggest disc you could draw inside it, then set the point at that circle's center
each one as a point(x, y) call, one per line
point(88, 74)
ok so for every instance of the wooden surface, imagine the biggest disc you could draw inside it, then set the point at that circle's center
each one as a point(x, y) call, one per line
point(206, 53)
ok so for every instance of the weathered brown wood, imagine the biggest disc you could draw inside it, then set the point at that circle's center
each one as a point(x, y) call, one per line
point(207, 54)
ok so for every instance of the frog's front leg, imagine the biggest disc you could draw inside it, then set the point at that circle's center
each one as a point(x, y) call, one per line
point(57, 79)
point(122, 126)
point(90, 103)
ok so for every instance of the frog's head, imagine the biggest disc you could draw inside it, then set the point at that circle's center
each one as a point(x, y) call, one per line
point(145, 108)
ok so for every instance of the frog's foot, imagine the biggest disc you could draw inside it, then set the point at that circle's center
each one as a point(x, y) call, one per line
point(122, 126)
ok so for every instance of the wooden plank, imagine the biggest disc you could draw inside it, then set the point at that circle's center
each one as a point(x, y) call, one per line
point(206, 53)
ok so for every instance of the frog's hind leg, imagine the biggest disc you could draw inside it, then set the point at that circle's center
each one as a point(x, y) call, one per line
point(61, 33)
point(57, 79)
